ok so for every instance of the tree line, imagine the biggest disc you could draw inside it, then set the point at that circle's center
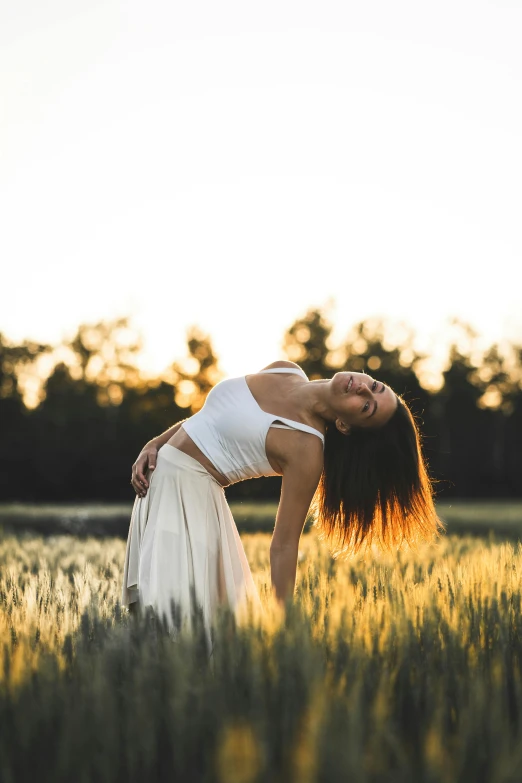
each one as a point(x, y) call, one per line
point(74, 436)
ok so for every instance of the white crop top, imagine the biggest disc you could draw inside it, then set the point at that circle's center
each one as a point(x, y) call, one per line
point(231, 429)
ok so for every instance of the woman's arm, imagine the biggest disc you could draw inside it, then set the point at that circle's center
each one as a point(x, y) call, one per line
point(300, 480)
point(160, 440)
point(147, 459)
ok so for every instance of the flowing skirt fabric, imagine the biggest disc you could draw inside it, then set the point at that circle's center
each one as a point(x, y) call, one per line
point(183, 544)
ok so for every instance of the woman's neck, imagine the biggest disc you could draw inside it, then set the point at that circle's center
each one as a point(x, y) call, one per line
point(313, 397)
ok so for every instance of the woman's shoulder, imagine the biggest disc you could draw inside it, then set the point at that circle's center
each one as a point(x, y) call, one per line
point(282, 363)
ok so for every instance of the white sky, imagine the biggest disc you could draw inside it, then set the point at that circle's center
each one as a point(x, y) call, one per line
point(231, 164)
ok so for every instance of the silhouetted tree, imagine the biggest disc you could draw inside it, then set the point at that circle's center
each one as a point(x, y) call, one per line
point(305, 342)
point(15, 428)
point(513, 429)
point(479, 398)
point(105, 353)
point(95, 414)
point(195, 376)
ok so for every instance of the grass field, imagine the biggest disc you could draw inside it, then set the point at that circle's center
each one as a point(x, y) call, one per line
point(404, 668)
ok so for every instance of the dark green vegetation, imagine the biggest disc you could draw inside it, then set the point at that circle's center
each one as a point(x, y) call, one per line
point(386, 669)
point(502, 518)
point(96, 411)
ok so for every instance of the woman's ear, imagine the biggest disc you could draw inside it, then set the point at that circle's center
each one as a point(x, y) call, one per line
point(343, 428)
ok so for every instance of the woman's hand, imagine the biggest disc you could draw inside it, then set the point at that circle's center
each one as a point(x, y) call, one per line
point(146, 460)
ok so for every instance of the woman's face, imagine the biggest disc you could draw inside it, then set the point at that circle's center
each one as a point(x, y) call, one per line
point(359, 400)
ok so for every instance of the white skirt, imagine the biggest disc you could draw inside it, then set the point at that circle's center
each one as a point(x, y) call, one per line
point(183, 544)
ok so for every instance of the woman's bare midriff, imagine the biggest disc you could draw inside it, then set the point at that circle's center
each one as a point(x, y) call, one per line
point(180, 440)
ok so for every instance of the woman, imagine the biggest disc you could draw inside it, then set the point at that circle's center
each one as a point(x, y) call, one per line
point(349, 444)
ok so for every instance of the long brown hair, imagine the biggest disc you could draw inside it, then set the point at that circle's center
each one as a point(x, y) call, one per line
point(375, 487)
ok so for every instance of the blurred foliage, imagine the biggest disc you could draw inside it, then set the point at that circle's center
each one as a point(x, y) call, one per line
point(195, 377)
point(306, 343)
point(94, 410)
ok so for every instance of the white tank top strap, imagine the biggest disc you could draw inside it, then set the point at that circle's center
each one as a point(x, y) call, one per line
point(286, 369)
point(296, 425)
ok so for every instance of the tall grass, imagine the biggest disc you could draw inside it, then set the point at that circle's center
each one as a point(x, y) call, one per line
point(383, 669)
